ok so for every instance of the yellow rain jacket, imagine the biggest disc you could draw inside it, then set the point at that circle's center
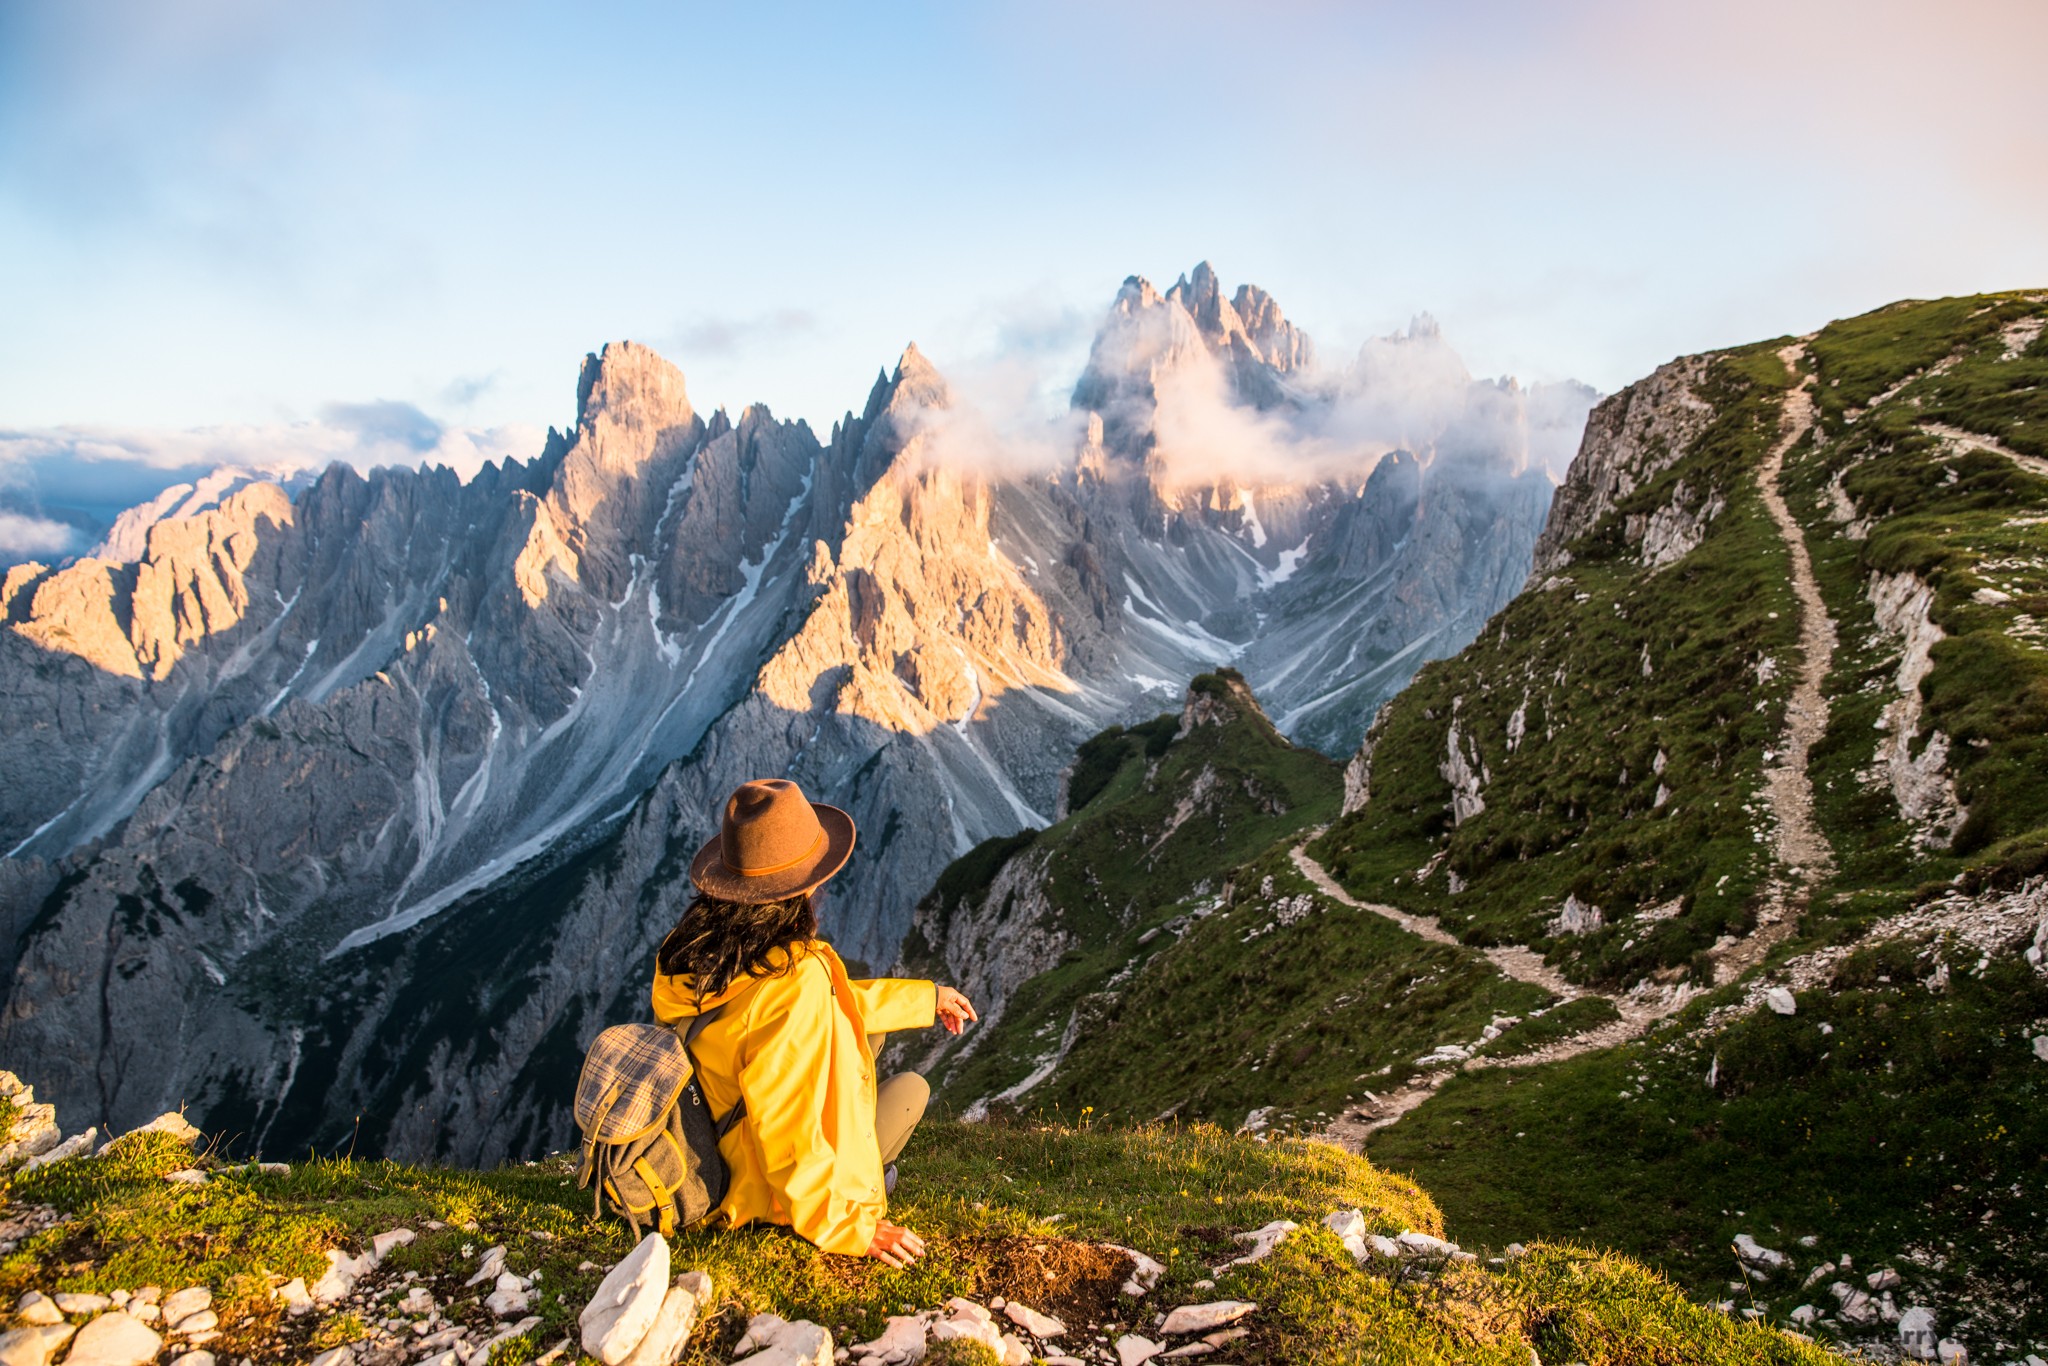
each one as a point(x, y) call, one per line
point(795, 1046)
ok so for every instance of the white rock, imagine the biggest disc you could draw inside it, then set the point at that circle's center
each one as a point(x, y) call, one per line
point(205, 1321)
point(189, 1176)
point(1192, 1349)
point(448, 1358)
point(1952, 1353)
point(666, 1337)
point(37, 1309)
point(190, 1300)
point(33, 1345)
point(1804, 1314)
point(971, 1329)
point(198, 1358)
point(508, 1301)
point(960, 1306)
point(1917, 1335)
point(1013, 1352)
point(626, 1302)
point(1031, 1321)
point(295, 1297)
point(343, 1271)
point(78, 1145)
point(1205, 1318)
point(519, 1329)
point(335, 1356)
point(383, 1243)
point(902, 1340)
point(82, 1304)
point(418, 1300)
point(1758, 1257)
point(802, 1343)
point(1412, 1244)
point(494, 1262)
point(1346, 1223)
point(2041, 1047)
point(1817, 1275)
point(761, 1330)
point(1781, 1000)
point(1144, 1274)
point(1132, 1349)
point(1225, 1336)
point(1262, 1240)
point(170, 1122)
point(34, 1130)
point(113, 1340)
point(1884, 1278)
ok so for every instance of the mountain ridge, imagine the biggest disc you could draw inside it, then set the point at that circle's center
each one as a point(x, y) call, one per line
point(372, 722)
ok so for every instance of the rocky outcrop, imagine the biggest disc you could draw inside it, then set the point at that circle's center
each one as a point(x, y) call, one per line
point(1631, 437)
point(1919, 779)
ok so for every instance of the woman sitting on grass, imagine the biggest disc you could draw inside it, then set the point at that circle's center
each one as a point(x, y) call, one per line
point(795, 1039)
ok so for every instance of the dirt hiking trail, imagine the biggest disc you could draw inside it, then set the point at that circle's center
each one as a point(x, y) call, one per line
point(1803, 856)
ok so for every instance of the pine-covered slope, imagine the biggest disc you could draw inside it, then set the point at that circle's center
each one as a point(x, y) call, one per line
point(1702, 895)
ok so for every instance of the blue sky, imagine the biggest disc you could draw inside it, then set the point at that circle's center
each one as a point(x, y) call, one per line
point(238, 216)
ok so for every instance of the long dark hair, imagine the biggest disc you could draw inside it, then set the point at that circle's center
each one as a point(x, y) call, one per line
point(717, 940)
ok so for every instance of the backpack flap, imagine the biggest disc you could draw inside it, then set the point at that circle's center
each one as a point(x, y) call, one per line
point(632, 1078)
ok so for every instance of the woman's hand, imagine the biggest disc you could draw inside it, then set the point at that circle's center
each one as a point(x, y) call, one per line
point(895, 1245)
point(954, 1010)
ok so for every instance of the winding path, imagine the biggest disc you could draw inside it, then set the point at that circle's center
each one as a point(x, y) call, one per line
point(2032, 464)
point(1803, 854)
point(1638, 1010)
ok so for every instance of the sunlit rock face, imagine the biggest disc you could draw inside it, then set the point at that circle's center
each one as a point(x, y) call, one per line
point(375, 800)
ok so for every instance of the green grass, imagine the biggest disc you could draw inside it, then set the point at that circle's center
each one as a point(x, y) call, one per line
point(1574, 810)
point(1920, 1121)
point(985, 1197)
point(1246, 1012)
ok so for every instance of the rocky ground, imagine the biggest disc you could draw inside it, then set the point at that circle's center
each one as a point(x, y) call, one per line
point(1056, 1245)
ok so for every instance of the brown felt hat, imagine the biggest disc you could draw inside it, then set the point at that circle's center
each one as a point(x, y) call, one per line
point(773, 844)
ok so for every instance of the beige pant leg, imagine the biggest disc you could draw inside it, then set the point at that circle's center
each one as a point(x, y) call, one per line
point(899, 1104)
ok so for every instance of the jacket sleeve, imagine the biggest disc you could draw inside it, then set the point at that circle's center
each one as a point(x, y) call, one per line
point(888, 1004)
point(783, 1077)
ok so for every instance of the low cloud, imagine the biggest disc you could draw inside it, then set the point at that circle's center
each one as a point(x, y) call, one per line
point(1150, 372)
point(78, 479)
point(26, 537)
point(713, 336)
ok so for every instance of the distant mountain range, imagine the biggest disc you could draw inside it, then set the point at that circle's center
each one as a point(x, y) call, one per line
point(370, 800)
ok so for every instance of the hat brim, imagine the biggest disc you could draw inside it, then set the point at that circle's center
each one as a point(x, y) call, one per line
point(709, 871)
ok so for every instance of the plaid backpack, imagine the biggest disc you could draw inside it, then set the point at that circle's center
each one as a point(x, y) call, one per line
point(650, 1146)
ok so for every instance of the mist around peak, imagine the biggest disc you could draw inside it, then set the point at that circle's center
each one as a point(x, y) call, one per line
point(1199, 387)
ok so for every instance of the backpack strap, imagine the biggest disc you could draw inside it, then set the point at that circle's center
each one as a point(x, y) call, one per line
point(738, 1112)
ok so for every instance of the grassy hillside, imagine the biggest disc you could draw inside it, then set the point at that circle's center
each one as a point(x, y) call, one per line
point(1022, 1212)
point(1621, 725)
point(1911, 1134)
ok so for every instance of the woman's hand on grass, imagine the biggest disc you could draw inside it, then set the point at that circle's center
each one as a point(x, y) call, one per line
point(895, 1245)
point(954, 1010)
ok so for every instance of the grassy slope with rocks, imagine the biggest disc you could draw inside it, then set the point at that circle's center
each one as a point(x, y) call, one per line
point(1648, 702)
point(1012, 1210)
point(1893, 1120)
point(1204, 976)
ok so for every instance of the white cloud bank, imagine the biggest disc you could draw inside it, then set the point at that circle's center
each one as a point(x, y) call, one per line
point(61, 488)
